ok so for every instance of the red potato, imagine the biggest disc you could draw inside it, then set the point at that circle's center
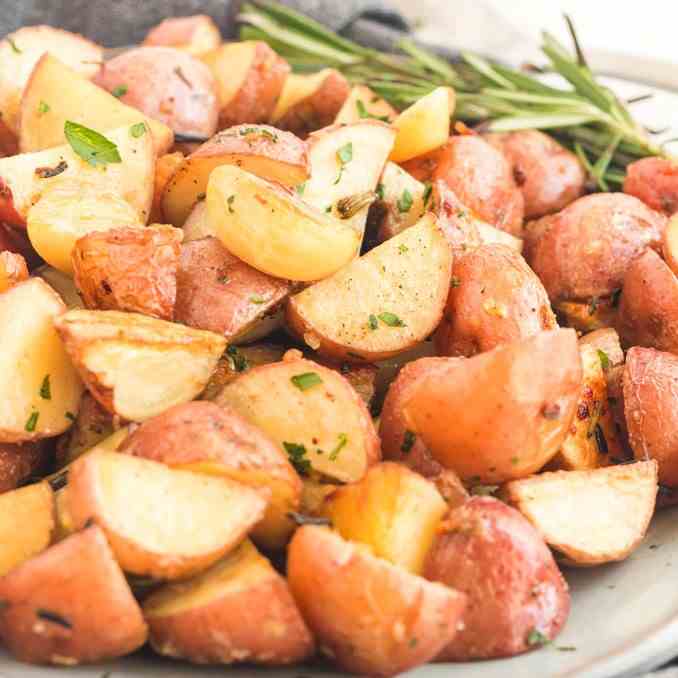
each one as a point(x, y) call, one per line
point(459, 226)
point(8, 141)
point(196, 226)
point(423, 167)
point(584, 251)
point(13, 270)
point(196, 34)
point(165, 167)
point(655, 182)
point(650, 390)
point(481, 178)
point(369, 616)
point(21, 461)
point(167, 85)
point(515, 591)
point(216, 291)
point(512, 407)
point(549, 176)
point(605, 340)
point(70, 605)
point(363, 103)
point(648, 306)
point(495, 298)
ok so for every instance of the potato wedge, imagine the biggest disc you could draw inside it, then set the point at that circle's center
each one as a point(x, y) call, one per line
point(606, 343)
point(424, 126)
point(47, 617)
point(273, 230)
point(670, 245)
point(590, 517)
point(240, 610)
point(137, 366)
point(13, 270)
point(165, 167)
point(335, 584)
point(402, 200)
point(25, 177)
point(196, 225)
point(392, 510)
point(21, 461)
point(363, 103)
point(26, 524)
point(262, 150)
point(62, 284)
point(526, 400)
point(311, 412)
point(196, 34)
point(127, 497)
point(40, 389)
point(64, 91)
point(380, 304)
point(205, 438)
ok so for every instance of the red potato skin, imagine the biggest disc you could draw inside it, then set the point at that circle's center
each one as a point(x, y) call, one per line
point(423, 166)
point(490, 552)
point(549, 176)
point(165, 84)
point(650, 387)
point(370, 617)
point(481, 178)
point(21, 461)
point(216, 291)
point(585, 250)
point(180, 31)
point(648, 306)
point(79, 580)
point(495, 299)
point(8, 141)
point(14, 267)
point(655, 182)
point(455, 221)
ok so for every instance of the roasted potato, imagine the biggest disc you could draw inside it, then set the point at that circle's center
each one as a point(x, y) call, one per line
point(196, 34)
point(606, 343)
point(392, 510)
point(512, 407)
point(590, 517)
point(240, 610)
point(423, 166)
point(488, 551)
point(196, 225)
point(363, 103)
point(549, 176)
point(583, 251)
point(165, 167)
point(650, 391)
point(128, 498)
point(137, 366)
point(49, 602)
point(69, 96)
point(8, 141)
point(21, 461)
point(273, 230)
point(40, 389)
point(587, 316)
point(381, 304)
point(402, 200)
point(481, 178)
point(309, 102)
point(312, 412)
point(336, 585)
point(218, 292)
point(250, 78)
point(13, 270)
point(495, 298)
point(205, 438)
point(670, 245)
point(655, 182)
point(648, 305)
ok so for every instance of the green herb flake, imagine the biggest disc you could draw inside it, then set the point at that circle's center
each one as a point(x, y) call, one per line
point(566, 648)
point(403, 248)
point(604, 360)
point(408, 441)
point(372, 322)
point(32, 421)
point(229, 203)
point(297, 456)
point(120, 91)
point(593, 305)
point(256, 299)
point(94, 148)
point(13, 45)
point(328, 209)
point(138, 130)
point(341, 444)
point(45, 389)
point(306, 380)
point(344, 156)
point(237, 360)
point(301, 188)
point(380, 191)
point(43, 107)
point(391, 319)
point(428, 192)
point(536, 638)
point(70, 416)
point(413, 642)
point(404, 202)
point(364, 113)
point(515, 461)
point(454, 281)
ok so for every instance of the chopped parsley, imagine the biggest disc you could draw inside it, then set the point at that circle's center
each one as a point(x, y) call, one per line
point(593, 305)
point(43, 107)
point(402, 249)
point(454, 281)
point(391, 319)
point(32, 421)
point(408, 441)
point(297, 456)
point(94, 148)
point(306, 380)
point(70, 416)
point(13, 45)
point(344, 156)
point(256, 299)
point(373, 322)
point(260, 132)
point(380, 191)
point(301, 188)
point(428, 191)
point(537, 638)
point(45, 389)
point(343, 441)
point(404, 202)
point(119, 91)
point(237, 360)
point(364, 113)
point(604, 360)
point(229, 202)
point(138, 130)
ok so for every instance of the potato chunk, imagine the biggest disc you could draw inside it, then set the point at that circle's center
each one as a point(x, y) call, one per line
point(13, 270)
point(159, 521)
point(197, 34)
point(137, 366)
point(363, 103)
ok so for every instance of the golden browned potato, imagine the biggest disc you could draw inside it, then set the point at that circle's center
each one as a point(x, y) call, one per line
point(311, 412)
point(70, 605)
point(240, 610)
point(309, 102)
point(648, 306)
point(250, 78)
point(363, 103)
point(587, 316)
point(670, 244)
point(549, 176)
point(218, 292)
point(512, 407)
point(21, 461)
point(69, 96)
point(495, 298)
point(481, 178)
point(259, 149)
point(196, 34)
point(205, 438)
point(590, 517)
point(165, 167)
point(313, 496)
point(13, 270)
point(651, 409)
point(655, 182)
point(583, 252)
point(129, 269)
point(392, 510)
point(382, 303)
point(39, 389)
point(423, 166)
point(606, 343)
point(517, 598)
point(137, 366)
point(159, 521)
point(369, 616)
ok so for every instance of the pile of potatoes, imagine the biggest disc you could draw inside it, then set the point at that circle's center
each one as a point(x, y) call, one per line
point(285, 372)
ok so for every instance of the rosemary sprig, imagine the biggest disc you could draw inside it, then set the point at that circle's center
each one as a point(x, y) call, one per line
point(581, 113)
